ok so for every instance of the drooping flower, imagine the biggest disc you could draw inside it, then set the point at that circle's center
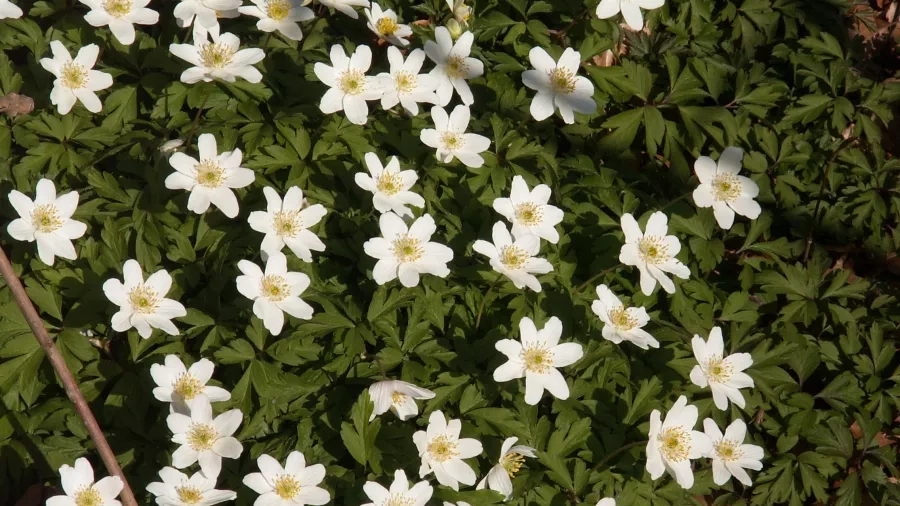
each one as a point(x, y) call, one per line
point(529, 212)
point(536, 358)
point(499, 478)
point(75, 80)
point(177, 489)
point(622, 323)
point(295, 484)
point(630, 9)
point(398, 396)
point(405, 252)
point(280, 15)
point(723, 374)
point(179, 385)
point(399, 494)
point(450, 139)
point(390, 186)
point(80, 489)
point(47, 221)
point(206, 12)
point(345, 6)
point(384, 24)
point(515, 260)
point(724, 190)
point(203, 438)
point(443, 452)
point(9, 10)
point(275, 292)
point(121, 16)
point(404, 84)
point(348, 85)
point(221, 58)
point(287, 223)
point(453, 66)
point(730, 456)
point(652, 252)
point(674, 442)
point(558, 86)
point(143, 305)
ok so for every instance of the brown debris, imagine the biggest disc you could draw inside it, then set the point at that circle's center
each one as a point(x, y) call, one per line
point(13, 104)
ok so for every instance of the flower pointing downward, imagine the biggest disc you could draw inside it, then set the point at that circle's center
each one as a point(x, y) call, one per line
point(143, 305)
point(47, 220)
point(499, 478)
point(723, 374)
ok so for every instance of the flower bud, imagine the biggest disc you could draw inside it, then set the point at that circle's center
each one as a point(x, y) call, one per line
point(455, 28)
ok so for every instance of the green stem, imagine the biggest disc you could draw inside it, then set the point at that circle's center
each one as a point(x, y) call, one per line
point(484, 300)
point(593, 278)
point(197, 117)
point(616, 452)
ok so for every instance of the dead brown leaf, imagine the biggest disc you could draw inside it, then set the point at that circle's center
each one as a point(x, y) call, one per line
point(13, 104)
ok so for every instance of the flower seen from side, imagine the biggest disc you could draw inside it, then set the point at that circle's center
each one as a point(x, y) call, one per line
point(274, 292)
point(397, 396)
point(515, 259)
point(724, 190)
point(76, 81)
point(724, 375)
point(653, 252)
point(143, 304)
point(405, 252)
point(622, 323)
point(443, 452)
point(47, 220)
point(512, 457)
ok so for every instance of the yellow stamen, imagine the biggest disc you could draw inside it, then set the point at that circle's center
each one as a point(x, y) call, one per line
point(442, 448)
point(45, 218)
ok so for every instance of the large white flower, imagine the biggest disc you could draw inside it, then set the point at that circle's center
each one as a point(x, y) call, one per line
point(397, 396)
point(406, 251)
point(622, 323)
point(384, 24)
point(345, 6)
point(203, 438)
point(143, 305)
point(558, 86)
point(630, 9)
point(724, 190)
point(80, 489)
point(730, 456)
point(399, 494)
point(222, 59)
point(75, 81)
point(206, 11)
point(674, 442)
point(177, 489)
point(453, 66)
point(211, 179)
point(281, 15)
point(121, 16)
point(723, 374)
point(515, 260)
point(529, 212)
point(652, 252)
point(450, 139)
point(179, 385)
point(348, 85)
point(404, 83)
point(287, 223)
point(499, 478)
point(443, 452)
point(9, 10)
point(537, 358)
point(275, 292)
point(295, 484)
point(47, 221)
point(390, 186)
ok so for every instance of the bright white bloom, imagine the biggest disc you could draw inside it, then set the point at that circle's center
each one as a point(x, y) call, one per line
point(203, 438)
point(281, 15)
point(407, 251)
point(652, 252)
point(673, 443)
point(176, 489)
point(275, 292)
point(404, 83)
point(606, 501)
point(47, 220)
point(121, 16)
point(730, 456)
point(221, 59)
point(78, 484)
point(211, 179)
point(9, 10)
point(724, 375)
point(453, 65)
point(622, 323)
point(630, 9)
point(537, 358)
point(529, 212)
point(143, 305)
point(348, 85)
point(442, 451)
point(390, 186)
point(450, 139)
point(398, 396)
point(345, 6)
point(179, 385)
point(461, 11)
point(558, 86)
point(287, 223)
point(399, 494)
point(724, 190)
point(206, 11)
point(515, 260)
point(384, 24)
point(295, 484)
point(499, 478)
point(75, 81)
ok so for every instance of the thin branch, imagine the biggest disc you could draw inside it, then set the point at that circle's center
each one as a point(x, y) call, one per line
point(197, 117)
point(815, 217)
point(485, 299)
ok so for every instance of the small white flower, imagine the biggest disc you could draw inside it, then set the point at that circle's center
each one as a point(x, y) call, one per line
point(221, 59)
point(295, 484)
point(47, 220)
point(171, 146)
point(724, 190)
point(499, 478)
point(390, 186)
point(515, 260)
point(461, 11)
point(537, 359)
point(9, 10)
point(529, 212)
point(203, 438)
point(652, 252)
point(75, 81)
point(450, 139)
point(206, 11)
point(724, 375)
point(453, 66)
point(345, 6)
point(176, 489)
point(287, 223)
point(143, 305)
point(558, 86)
point(211, 179)
point(397, 396)
point(80, 489)
point(606, 501)
point(384, 24)
point(729, 455)
point(275, 292)
point(280, 15)
point(348, 85)
point(443, 452)
point(404, 83)
point(673, 443)
point(179, 385)
point(407, 251)
point(399, 494)
point(622, 323)
point(630, 9)
point(121, 16)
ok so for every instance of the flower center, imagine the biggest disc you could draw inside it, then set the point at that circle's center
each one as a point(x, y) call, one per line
point(45, 218)
point(621, 319)
point(352, 82)
point(202, 436)
point(442, 448)
point(389, 183)
point(210, 174)
point(675, 443)
point(216, 55)
point(653, 249)
point(512, 462)
point(143, 299)
point(537, 358)
point(726, 187)
point(407, 249)
point(529, 214)
point(117, 8)
point(513, 257)
point(275, 288)
point(562, 80)
point(398, 500)
point(189, 495)
point(457, 68)
point(386, 26)
point(278, 9)
point(187, 386)
point(405, 81)
point(287, 223)
point(398, 398)
point(88, 496)
point(718, 370)
point(729, 450)
point(452, 141)
point(74, 76)
point(286, 486)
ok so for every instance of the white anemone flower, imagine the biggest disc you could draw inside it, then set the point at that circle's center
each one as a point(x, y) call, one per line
point(287, 222)
point(390, 186)
point(280, 15)
point(219, 59)
point(177, 489)
point(630, 9)
point(203, 438)
point(722, 374)
point(606, 501)
point(295, 484)
point(75, 80)
point(453, 66)
point(730, 456)
point(210, 180)
point(348, 85)
point(121, 16)
point(724, 190)
point(405, 252)
point(384, 24)
point(515, 260)
point(622, 323)
point(177, 384)
point(397, 396)
point(652, 252)
point(345, 6)
point(47, 220)
point(81, 490)
point(400, 494)
point(499, 478)
point(537, 358)
point(450, 139)
point(674, 443)
point(274, 292)
point(206, 12)
point(143, 305)
point(558, 86)
point(529, 212)
point(9, 10)
point(461, 11)
point(443, 452)
point(404, 84)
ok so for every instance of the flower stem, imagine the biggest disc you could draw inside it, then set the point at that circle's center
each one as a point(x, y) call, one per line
point(197, 117)
point(593, 278)
point(484, 300)
point(616, 452)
